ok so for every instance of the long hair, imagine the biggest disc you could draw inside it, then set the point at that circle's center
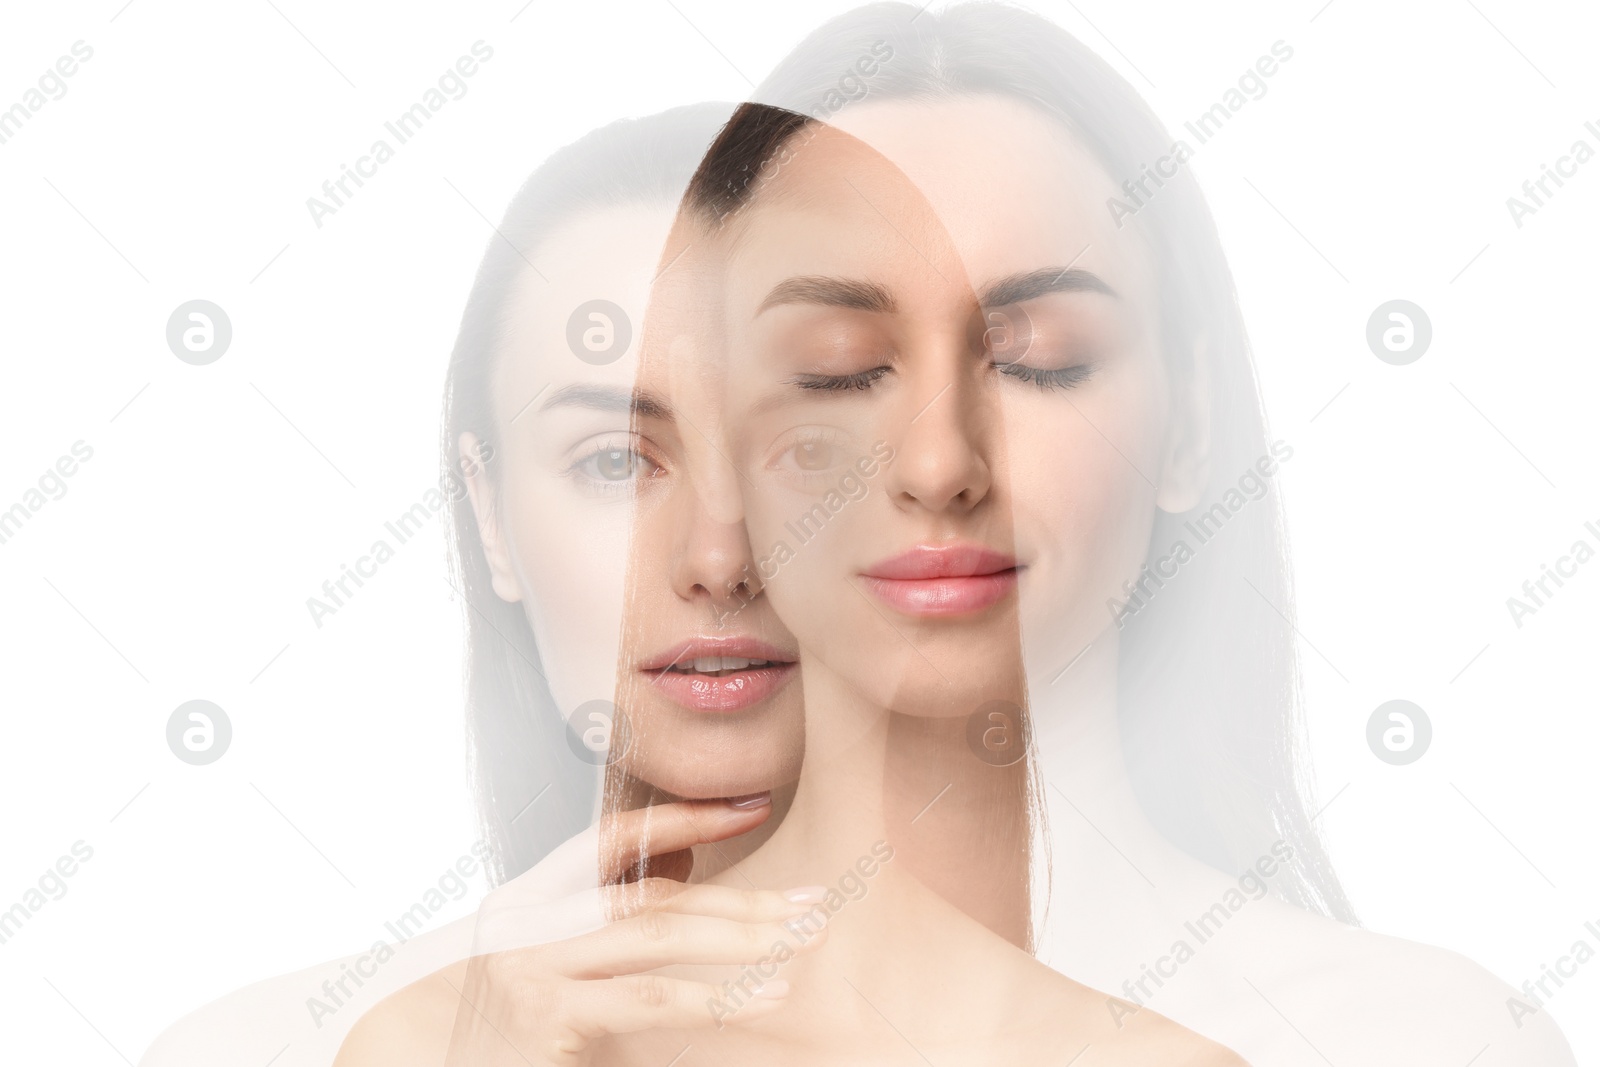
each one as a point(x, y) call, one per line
point(1209, 692)
point(517, 738)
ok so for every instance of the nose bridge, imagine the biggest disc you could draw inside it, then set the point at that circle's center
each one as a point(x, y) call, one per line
point(943, 459)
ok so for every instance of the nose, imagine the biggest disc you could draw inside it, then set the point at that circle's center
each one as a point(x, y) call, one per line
point(711, 560)
point(941, 463)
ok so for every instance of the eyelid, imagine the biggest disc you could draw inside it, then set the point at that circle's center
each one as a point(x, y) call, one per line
point(615, 441)
point(805, 435)
point(840, 382)
point(1049, 378)
point(606, 440)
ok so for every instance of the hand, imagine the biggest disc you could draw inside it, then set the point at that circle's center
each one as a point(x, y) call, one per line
point(548, 1004)
point(527, 999)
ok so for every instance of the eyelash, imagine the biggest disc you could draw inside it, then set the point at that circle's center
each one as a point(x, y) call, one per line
point(606, 486)
point(838, 383)
point(1060, 378)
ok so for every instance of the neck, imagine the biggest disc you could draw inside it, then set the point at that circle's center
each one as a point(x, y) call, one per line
point(839, 807)
point(956, 824)
point(1106, 861)
point(1078, 748)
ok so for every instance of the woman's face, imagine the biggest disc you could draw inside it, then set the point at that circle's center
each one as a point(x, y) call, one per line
point(942, 284)
point(596, 512)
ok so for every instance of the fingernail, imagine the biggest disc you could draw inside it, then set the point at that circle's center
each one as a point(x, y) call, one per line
point(776, 989)
point(806, 894)
point(754, 800)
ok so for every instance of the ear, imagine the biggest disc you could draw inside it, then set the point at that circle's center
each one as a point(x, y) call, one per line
point(1186, 464)
point(480, 487)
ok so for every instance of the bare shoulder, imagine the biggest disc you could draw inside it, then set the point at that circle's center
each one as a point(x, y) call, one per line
point(299, 1019)
point(1418, 1002)
point(1112, 1031)
point(1145, 1036)
point(258, 1022)
point(1149, 1037)
point(410, 1025)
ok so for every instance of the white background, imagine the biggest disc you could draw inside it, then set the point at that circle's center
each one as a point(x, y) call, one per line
point(219, 498)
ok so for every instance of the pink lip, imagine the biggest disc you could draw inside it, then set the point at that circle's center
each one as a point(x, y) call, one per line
point(729, 693)
point(942, 580)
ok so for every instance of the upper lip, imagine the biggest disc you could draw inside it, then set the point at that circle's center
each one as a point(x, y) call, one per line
point(956, 560)
point(732, 647)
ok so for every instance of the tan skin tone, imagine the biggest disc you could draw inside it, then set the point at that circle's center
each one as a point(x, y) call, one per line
point(954, 990)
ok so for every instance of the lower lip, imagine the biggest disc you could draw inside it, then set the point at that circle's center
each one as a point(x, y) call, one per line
point(943, 597)
point(734, 692)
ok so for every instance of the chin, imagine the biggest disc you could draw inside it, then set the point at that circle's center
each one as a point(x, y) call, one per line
point(682, 777)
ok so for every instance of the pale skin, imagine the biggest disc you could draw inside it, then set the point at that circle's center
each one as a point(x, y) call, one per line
point(1104, 455)
point(982, 995)
point(576, 486)
point(557, 1003)
point(561, 544)
point(582, 490)
point(1128, 887)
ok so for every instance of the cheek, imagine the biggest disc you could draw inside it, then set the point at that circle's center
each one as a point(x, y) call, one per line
point(1081, 478)
point(571, 558)
point(790, 568)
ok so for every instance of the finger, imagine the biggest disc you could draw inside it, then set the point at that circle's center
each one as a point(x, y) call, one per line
point(658, 939)
point(718, 901)
point(628, 838)
point(654, 1002)
point(674, 865)
point(503, 924)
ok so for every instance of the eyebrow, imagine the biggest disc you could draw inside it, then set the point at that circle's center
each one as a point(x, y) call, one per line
point(829, 292)
point(640, 404)
point(870, 296)
point(1042, 282)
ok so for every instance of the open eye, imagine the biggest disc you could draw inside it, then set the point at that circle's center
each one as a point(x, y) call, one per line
point(811, 453)
point(613, 464)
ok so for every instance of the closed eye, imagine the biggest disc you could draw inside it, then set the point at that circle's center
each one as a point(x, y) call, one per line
point(1060, 378)
point(840, 382)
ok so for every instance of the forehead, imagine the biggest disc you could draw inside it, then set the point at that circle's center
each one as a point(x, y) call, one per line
point(1006, 187)
point(830, 204)
point(598, 262)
